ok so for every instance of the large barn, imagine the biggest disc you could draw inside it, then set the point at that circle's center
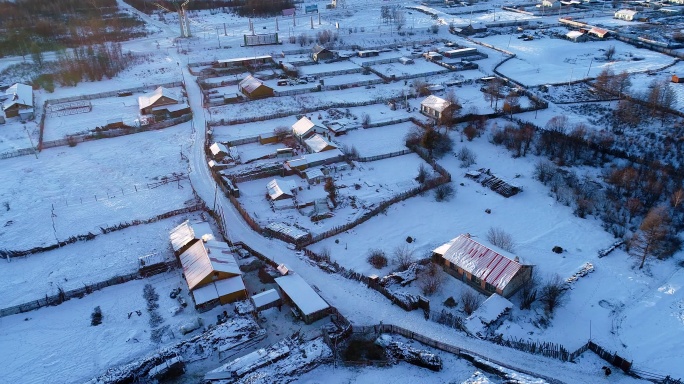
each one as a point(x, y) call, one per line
point(482, 267)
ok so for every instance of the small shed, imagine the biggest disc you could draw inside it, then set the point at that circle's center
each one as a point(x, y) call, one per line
point(254, 88)
point(626, 14)
point(314, 175)
point(304, 128)
point(406, 60)
point(368, 53)
point(434, 56)
point(186, 234)
point(151, 264)
point(677, 79)
point(265, 300)
point(17, 99)
point(159, 97)
point(598, 32)
point(435, 107)
point(219, 292)
point(308, 303)
point(319, 53)
point(576, 36)
point(280, 189)
point(318, 143)
point(219, 151)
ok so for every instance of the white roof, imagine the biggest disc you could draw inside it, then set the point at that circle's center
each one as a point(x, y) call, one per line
point(199, 262)
point(314, 157)
point(241, 59)
point(18, 94)
point(250, 83)
point(492, 308)
point(265, 298)
point(318, 143)
point(574, 34)
point(152, 259)
point(287, 230)
point(217, 289)
point(313, 173)
point(435, 103)
point(186, 232)
point(479, 260)
point(148, 99)
point(301, 293)
point(626, 12)
point(218, 148)
point(302, 126)
point(280, 187)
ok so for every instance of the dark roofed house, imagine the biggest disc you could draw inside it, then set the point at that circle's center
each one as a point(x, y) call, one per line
point(319, 53)
point(482, 267)
point(254, 88)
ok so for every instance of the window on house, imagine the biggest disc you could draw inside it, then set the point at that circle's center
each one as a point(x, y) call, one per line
point(475, 279)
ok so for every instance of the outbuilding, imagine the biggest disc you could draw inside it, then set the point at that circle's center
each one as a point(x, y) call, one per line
point(280, 189)
point(265, 300)
point(435, 107)
point(254, 88)
point(626, 14)
point(576, 36)
point(318, 143)
point(307, 303)
point(305, 128)
point(18, 101)
point(319, 53)
point(159, 97)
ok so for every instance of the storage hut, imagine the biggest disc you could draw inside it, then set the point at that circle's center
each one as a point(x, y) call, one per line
point(307, 303)
point(318, 143)
point(319, 53)
point(160, 96)
point(18, 99)
point(254, 88)
point(265, 300)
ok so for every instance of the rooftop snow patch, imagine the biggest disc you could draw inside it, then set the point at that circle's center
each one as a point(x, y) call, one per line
point(301, 293)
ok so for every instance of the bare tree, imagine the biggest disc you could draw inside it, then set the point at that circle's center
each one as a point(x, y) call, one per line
point(511, 103)
point(423, 173)
point(652, 231)
point(281, 132)
point(492, 92)
point(609, 53)
point(500, 238)
point(430, 280)
point(551, 293)
point(403, 257)
point(444, 192)
point(470, 301)
point(377, 258)
point(466, 156)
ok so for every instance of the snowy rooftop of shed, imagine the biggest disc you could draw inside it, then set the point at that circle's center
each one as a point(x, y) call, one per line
point(217, 289)
point(200, 261)
point(435, 103)
point(317, 143)
point(301, 293)
point(265, 298)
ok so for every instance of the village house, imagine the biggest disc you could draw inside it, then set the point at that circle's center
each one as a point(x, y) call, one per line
point(550, 4)
point(219, 151)
point(598, 32)
point(576, 36)
point(280, 189)
point(307, 303)
point(318, 143)
point(252, 61)
point(319, 53)
point(186, 234)
point(254, 88)
point(304, 128)
point(625, 14)
point(18, 101)
point(149, 102)
point(482, 267)
point(435, 107)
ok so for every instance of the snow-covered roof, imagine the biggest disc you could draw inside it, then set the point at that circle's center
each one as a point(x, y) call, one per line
point(600, 32)
point(492, 308)
point(435, 103)
point(217, 289)
point(314, 157)
point(148, 99)
point(181, 235)
point(172, 107)
point(287, 230)
point(242, 59)
point(626, 12)
point(573, 34)
point(480, 261)
point(265, 298)
point(279, 187)
point(318, 49)
point(250, 83)
point(301, 293)
point(18, 93)
point(318, 143)
point(152, 259)
point(199, 262)
point(313, 173)
point(302, 126)
point(218, 148)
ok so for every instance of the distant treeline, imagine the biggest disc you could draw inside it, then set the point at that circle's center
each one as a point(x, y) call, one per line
point(38, 25)
point(241, 7)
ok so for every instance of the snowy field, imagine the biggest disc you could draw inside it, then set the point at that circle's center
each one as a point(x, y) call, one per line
point(377, 141)
point(17, 135)
point(550, 60)
point(95, 184)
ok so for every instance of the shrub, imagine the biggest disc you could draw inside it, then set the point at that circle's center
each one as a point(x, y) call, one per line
point(96, 316)
point(444, 192)
point(450, 302)
point(551, 293)
point(422, 174)
point(430, 280)
point(377, 258)
point(500, 238)
point(403, 257)
point(470, 301)
point(467, 157)
point(470, 132)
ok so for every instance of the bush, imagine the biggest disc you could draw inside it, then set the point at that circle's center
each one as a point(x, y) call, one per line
point(444, 192)
point(377, 258)
point(470, 301)
point(467, 157)
point(528, 292)
point(551, 293)
point(470, 132)
point(96, 316)
point(403, 257)
point(557, 249)
point(500, 238)
point(430, 280)
point(450, 302)
point(423, 174)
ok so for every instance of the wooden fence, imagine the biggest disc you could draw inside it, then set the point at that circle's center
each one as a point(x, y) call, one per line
point(384, 156)
point(113, 93)
point(63, 296)
point(18, 152)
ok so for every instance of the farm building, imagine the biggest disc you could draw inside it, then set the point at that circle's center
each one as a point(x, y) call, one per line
point(406, 60)
point(159, 97)
point(434, 56)
point(244, 61)
point(487, 179)
point(304, 128)
point(463, 52)
point(219, 292)
point(677, 79)
point(625, 14)
point(152, 264)
point(265, 300)
point(314, 159)
point(18, 101)
point(369, 53)
point(254, 88)
point(598, 32)
point(576, 36)
point(318, 143)
point(487, 314)
point(186, 234)
point(307, 303)
point(481, 267)
point(313, 175)
point(279, 189)
point(219, 151)
point(319, 53)
point(551, 4)
point(435, 107)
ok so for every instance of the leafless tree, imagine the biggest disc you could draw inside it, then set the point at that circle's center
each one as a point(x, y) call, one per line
point(423, 173)
point(403, 257)
point(281, 132)
point(551, 293)
point(470, 301)
point(609, 53)
point(466, 156)
point(430, 280)
point(500, 238)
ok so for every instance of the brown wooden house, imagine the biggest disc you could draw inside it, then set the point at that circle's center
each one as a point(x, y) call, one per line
point(254, 88)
